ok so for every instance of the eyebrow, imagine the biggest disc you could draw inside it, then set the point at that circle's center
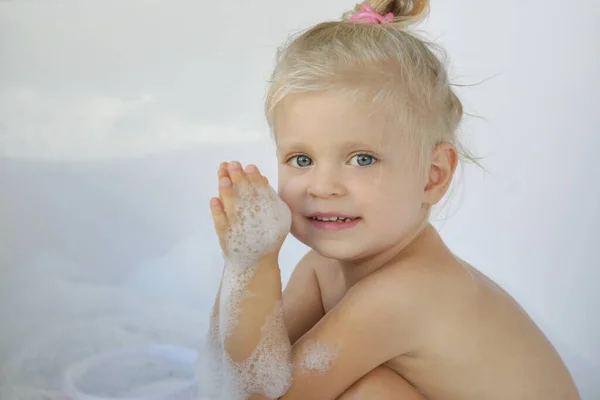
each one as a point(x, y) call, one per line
point(346, 144)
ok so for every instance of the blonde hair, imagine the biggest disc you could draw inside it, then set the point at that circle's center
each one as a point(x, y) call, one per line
point(393, 69)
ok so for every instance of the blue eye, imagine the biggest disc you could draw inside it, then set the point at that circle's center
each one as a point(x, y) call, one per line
point(301, 161)
point(364, 160)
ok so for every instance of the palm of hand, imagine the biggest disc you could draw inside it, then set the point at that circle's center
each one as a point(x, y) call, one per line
point(250, 218)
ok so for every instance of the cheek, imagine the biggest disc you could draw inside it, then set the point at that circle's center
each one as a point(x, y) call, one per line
point(395, 196)
point(289, 189)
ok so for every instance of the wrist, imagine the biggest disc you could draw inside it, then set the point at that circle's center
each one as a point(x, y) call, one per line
point(270, 260)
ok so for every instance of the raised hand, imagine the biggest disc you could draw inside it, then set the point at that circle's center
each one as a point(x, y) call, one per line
point(250, 219)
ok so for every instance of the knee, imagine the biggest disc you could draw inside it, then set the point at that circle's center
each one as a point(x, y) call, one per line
point(382, 384)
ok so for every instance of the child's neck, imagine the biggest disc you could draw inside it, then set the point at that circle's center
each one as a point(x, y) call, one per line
point(356, 270)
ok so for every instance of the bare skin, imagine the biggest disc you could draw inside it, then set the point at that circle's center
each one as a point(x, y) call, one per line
point(444, 327)
point(316, 286)
point(300, 316)
point(450, 361)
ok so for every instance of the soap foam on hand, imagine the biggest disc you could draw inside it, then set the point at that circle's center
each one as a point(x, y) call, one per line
point(261, 222)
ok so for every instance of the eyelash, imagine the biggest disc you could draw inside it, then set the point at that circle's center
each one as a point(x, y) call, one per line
point(376, 160)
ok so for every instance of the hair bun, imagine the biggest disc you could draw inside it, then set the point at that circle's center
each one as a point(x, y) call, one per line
point(406, 12)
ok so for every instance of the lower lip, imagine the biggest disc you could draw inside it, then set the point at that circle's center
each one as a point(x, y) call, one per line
point(333, 226)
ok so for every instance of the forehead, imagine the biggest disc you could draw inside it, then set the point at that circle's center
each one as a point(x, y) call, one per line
point(334, 118)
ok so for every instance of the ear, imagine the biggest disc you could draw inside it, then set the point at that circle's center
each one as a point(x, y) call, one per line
point(444, 160)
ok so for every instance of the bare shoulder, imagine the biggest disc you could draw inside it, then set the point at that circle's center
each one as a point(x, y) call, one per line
point(421, 282)
point(418, 296)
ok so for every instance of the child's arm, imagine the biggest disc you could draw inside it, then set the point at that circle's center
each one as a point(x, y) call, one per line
point(372, 324)
point(378, 382)
point(302, 303)
point(251, 222)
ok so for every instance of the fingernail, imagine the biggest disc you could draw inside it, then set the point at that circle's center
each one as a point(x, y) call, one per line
point(251, 169)
point(224, 182)
point(214, 202)
point(235, 165)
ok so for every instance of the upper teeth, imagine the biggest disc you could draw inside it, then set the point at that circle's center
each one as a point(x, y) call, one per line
point(332, 219)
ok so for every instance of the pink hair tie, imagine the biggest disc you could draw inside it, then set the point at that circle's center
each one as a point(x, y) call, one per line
point(369, 16)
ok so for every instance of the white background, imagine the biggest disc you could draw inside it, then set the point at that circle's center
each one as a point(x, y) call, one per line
point(114, 115)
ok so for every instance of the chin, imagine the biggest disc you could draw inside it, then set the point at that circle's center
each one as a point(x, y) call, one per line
point(338, 254)
point(334, 249)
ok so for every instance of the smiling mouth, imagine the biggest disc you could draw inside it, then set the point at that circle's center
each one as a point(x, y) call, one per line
point(337, 219)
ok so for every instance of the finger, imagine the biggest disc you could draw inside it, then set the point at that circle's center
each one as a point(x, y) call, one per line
point(219, 216)
point(222, 172)
point(227, 196)
point(237, 175)
point(266, 179)
point(254, 176)
point(219, 219)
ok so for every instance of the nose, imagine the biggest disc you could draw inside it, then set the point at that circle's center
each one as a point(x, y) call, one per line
point(326, 182)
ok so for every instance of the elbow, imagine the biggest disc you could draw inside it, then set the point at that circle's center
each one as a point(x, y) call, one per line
point(275, 374)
